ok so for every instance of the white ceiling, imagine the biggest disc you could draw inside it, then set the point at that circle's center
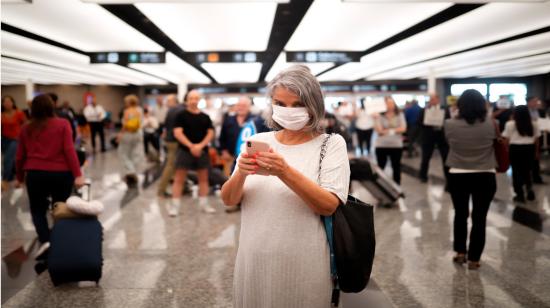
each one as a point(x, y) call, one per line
point(76, 24)
point(337, 25)
point(214, 26)
point(486, 24)
point(234, 72)
point(34, 51)
point(518, 48)
point(281, 64)
point(174, 70)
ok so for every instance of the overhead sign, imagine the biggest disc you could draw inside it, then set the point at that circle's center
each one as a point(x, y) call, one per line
point(125, 58)
point(226, 57)
point(323, 56)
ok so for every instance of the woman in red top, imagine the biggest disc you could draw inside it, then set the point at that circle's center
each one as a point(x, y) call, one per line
point(46, 161)
point(12, 120)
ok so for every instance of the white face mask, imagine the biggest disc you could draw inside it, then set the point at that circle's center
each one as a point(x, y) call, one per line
point(291, 118)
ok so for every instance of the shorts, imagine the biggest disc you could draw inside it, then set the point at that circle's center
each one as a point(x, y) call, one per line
point(186, 160)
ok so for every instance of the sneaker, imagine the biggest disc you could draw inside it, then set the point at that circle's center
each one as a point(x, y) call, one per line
point(208, 209)
point(530, 195)
point(232, 209)
point(173, 209)
point(41, 253)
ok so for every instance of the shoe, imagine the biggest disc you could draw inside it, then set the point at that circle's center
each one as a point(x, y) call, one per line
point(174, 207)
point(423, 180)
point(41, 252)
point(459, 258)
point(538, 181)
point(531, 195)
point(473, 265)
point(208, 209)
point(232, 209)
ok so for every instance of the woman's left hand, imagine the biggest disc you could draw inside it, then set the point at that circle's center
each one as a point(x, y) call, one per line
point(272, 162)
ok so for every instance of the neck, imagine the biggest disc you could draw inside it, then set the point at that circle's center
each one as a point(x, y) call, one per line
point(193, 109)
point(291, 137)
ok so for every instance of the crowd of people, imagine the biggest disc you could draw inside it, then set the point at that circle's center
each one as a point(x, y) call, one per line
point(203, 144)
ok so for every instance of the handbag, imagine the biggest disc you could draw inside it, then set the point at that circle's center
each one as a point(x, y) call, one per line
point(352, 242)
point(501, 151)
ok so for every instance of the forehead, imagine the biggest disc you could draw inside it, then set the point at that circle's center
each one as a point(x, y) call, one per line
point(285, 95)
point(194, 93)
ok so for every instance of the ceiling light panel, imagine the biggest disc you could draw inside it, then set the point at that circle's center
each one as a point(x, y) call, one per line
point(518, 48)
point(337, 25)
point(179, 1)
point(85, 26)
point(234, 72)
point(214, 26)
point(486, 24)
point(424, 1)
point(512, 65)
point(24, 48)
point(281, 64)
point(527, 72)
point(174, 70)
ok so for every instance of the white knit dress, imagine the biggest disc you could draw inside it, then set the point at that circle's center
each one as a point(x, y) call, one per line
point(283, 255)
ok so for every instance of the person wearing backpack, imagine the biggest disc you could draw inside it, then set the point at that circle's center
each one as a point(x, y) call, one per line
point(130, 139)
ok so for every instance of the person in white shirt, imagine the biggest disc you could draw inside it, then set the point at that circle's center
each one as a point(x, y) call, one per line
point(95, 114)
point(150, 127)
point(364, 125)
point(522, 133)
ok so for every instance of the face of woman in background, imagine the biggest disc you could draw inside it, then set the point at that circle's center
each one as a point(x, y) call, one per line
point(390, 104)
point(7, 103)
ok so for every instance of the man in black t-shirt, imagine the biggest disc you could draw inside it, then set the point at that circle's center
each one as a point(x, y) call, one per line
point(193, 131)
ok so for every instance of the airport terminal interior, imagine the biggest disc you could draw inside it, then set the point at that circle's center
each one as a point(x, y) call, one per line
point(147, 109)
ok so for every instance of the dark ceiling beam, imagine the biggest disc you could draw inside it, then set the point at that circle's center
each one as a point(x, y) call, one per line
point(287, 18)
point(497, 42)
point(435, 20)
point(136, 19)
point(36, 37)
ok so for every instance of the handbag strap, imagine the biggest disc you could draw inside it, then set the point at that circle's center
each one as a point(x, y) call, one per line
point(327, 220)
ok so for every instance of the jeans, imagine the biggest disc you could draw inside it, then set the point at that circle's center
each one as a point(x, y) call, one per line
point(151, 138)
point(97, 128)
point(364, 138)
point(522, 158)
point(9, 149)
point(394, 154)
point(42, 185)
point(481, 187)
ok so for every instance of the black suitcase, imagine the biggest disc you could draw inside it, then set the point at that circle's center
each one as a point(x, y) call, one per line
point(75, 253)
point(375, 180)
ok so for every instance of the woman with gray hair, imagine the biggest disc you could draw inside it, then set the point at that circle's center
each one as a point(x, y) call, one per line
point(283, 255)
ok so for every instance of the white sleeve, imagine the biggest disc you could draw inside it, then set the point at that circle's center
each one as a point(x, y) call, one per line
point(536, 130)
point(87, 114)
point(402, 119)
point(102, 113)
point(507, 133)
point(335, 172)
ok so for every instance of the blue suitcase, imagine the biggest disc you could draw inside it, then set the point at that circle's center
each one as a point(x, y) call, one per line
point(75, 253)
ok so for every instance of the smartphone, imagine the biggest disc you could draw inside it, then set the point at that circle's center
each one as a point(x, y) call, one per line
point(253, 147)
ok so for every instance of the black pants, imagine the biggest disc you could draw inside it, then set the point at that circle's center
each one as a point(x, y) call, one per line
point(412, 135)
point(428, 147)
point(364, 138)
point(42, 185)
point(97, 128)
point(153, 139)
point(394, 154)
point(522, 159)
point(481, 187)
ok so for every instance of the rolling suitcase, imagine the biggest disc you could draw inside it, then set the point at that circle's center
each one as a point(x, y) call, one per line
point(375, 180)
point(75, 252)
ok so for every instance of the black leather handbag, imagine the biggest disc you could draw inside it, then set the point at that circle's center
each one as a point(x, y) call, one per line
point(350, 233)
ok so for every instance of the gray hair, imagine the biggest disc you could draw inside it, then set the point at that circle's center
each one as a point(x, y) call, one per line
point(299, 80)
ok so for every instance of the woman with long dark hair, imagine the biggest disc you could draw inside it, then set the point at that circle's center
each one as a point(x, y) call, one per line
point(12, 120)
point(472, 163)
point(522, 134)
point(47, 163)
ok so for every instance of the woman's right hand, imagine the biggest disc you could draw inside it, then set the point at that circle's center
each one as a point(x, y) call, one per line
point(246, 164)
point(79, 182)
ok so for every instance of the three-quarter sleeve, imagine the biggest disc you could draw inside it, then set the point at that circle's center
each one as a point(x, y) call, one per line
point(69, 150)
point(335, 171)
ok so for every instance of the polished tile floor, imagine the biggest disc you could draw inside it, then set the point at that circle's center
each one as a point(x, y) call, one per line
point(152, 260)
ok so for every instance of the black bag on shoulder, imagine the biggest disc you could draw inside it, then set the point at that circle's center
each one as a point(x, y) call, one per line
point(350, 232)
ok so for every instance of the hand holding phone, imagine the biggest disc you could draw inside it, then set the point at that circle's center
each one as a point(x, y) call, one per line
point(253, 147)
